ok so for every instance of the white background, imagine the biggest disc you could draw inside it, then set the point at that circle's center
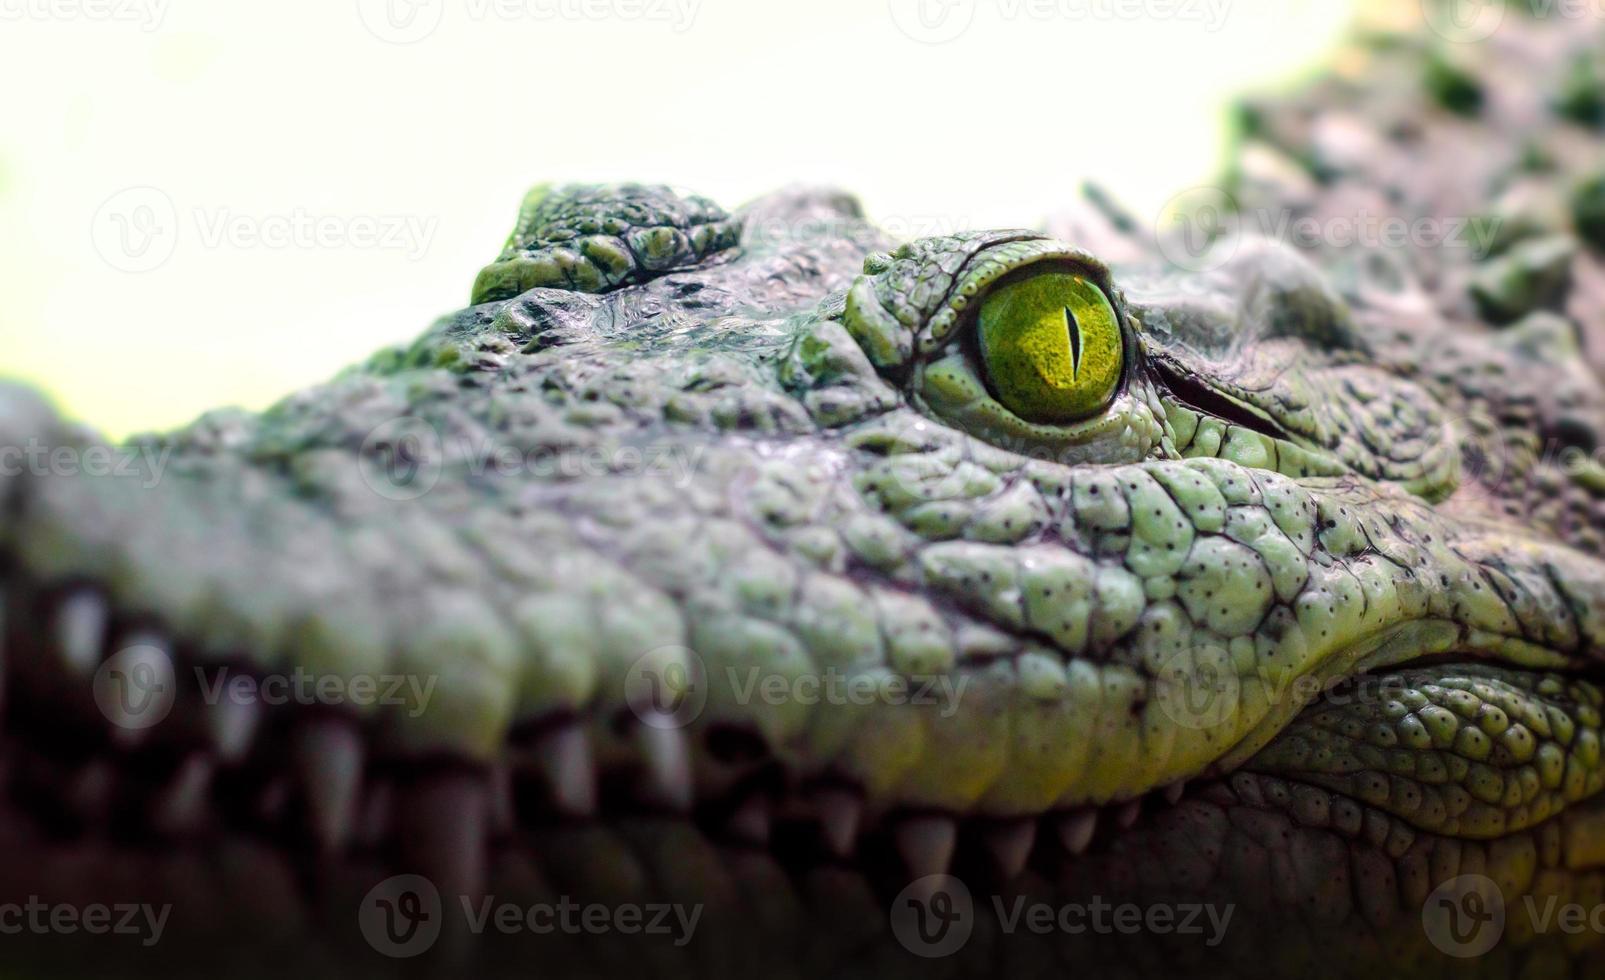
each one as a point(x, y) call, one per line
point(242, 117)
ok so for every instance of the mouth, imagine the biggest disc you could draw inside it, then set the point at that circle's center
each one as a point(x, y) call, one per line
point(1187, 388)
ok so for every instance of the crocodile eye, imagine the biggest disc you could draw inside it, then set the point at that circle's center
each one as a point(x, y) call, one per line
point(1052, 347)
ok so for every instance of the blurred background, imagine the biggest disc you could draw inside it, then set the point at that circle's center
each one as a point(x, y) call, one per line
point(204, 203)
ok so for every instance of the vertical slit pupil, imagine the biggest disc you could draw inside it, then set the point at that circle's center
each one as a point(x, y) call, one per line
point(1074, 329)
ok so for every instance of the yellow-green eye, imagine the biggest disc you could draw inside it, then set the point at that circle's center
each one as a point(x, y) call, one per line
point(1052, 347)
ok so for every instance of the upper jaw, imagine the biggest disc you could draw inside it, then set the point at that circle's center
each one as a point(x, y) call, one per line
point(1070, 637)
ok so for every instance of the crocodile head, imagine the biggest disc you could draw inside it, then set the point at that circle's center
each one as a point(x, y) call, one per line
point(703, 534)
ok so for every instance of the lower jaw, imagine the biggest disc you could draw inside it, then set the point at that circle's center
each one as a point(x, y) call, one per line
point(1220, 884)
point(255, 874)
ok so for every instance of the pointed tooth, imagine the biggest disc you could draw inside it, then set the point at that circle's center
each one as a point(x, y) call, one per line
point(91, 791)
point(1174, 791)
point(839, 813)
point(502, 818)
point(444, 819)
point(151, 655)
point(1128, 813)
point(181, 808)
point(81, 621)
point(926, 844)
point(5, 662)
point(377, 810)
point(329, 756)
point(275, 796)
point(233, 725)
point(565, 755)
point(666, 752)
point(750, 821)
point(1076, 830)
point(1010, 844)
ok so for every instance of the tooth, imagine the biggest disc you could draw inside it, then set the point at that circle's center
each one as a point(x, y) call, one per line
point(750, 821)
point(181, 808)
point(926, 844)
point(565, 756)
point(667, 754)
point(233, 725)
point(1174, 791)
point(444, 817)
point(329, 756)
point(376, 813)
point(839, 812)
point(4, 660)
point(1010, 843)
point(502, 818)
point(81, 621)
point(147, 663)
point(1076, 829)
point(1128, 814)
point(90, 793)
point(272, 801)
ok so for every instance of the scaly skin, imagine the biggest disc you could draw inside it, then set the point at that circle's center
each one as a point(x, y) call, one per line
point(1307, 622)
